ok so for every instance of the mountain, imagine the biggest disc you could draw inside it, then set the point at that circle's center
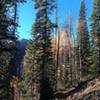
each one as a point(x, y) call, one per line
point(18, 59)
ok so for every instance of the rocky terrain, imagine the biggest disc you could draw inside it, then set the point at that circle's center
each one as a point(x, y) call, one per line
point(88, 90)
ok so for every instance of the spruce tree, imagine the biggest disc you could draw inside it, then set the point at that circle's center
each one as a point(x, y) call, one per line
point(43, 63)
point(95, 33)
point(28, 77)
point(7, 45)
point(5, 54)
point(83, 42)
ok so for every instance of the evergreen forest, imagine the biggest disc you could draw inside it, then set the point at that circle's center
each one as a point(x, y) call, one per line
point(58, 62)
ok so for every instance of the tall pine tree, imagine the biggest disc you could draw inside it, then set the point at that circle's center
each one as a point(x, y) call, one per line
point(83, 42)
point(43, 63)
point(6, 52)
point(7, 44)
point(29, 75)
point(95, 33)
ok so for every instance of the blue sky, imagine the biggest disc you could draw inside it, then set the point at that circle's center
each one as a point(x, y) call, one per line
point(26, 14)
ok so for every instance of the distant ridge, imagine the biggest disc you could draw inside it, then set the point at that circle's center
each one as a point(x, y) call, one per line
point(18, 59)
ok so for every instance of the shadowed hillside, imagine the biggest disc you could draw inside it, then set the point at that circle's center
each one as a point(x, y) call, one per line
point(17, 61)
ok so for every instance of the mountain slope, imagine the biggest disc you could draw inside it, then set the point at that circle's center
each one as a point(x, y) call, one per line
point(18, 59)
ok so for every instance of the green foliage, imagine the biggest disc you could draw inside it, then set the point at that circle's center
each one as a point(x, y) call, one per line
point(24, 85)
point(95, 33)
point(27, 78)
point(40, 51)
point(7, 45)
point(83, 42)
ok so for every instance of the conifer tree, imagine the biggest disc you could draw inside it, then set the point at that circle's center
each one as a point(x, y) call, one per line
point(5, 55)
point(83, 42)
point(27, 77)
point(95, 33)
point(7, 44)
point(43, 63)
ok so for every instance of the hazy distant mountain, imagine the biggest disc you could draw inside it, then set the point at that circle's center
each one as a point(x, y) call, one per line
point(18, 59)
